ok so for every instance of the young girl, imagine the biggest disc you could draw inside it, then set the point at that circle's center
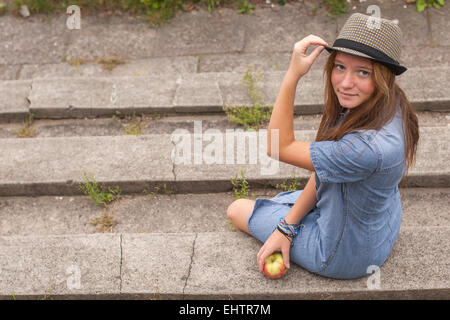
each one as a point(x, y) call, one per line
point(345, 221)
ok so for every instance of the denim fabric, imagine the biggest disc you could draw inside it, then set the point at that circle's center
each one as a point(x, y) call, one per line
point(356, 219)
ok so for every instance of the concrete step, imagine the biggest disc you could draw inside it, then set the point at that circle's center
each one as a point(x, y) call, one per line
point(175, 213)
point(57, 165)
point(222, 39)
point(167, 124)
point(191, 93)
point(213, 265)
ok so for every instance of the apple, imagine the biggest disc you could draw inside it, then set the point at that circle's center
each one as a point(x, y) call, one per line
point(274, 266)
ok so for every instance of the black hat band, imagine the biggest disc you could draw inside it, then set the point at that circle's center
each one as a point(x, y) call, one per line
point(376, 54)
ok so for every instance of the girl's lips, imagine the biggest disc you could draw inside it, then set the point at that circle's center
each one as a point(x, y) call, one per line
point(347, 95)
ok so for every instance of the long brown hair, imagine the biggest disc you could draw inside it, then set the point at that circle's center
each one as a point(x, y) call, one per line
point(371, 114)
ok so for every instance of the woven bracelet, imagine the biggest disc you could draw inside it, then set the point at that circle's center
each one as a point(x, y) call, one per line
point(291, 229)
point(291, 239)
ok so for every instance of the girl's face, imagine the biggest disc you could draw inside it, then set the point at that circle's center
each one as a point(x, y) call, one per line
point(352, 75)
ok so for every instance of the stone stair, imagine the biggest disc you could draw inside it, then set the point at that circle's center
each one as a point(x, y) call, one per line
point(81, 97)
point(177, 246)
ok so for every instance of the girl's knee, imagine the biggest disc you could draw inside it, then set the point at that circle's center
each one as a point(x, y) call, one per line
point(238, 212)
point(233, 209)
point(239, 207)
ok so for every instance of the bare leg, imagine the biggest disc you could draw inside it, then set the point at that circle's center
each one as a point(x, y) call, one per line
point(238, 212)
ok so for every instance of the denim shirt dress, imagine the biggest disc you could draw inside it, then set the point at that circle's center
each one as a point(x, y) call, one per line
point(356, 220)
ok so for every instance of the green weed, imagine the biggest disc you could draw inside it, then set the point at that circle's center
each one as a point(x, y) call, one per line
point(159, 190)
point(101, 196)
point(231, 226)
point(292, 187)
point(336, 8)
point(104, 223)
point(250, 83)
point(240, 186)
point(2, 8)
point(109, 63)
point(26, 131)
point(246, 8)
point(106, 63)
point(252, 117)
point(49, 295)
point(135, 126)
point(421, 5)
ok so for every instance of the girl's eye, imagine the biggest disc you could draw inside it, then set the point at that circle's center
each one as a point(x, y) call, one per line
point(367, 73)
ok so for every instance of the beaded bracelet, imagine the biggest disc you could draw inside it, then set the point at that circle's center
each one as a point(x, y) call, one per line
point(289, 230)
point(291, 240)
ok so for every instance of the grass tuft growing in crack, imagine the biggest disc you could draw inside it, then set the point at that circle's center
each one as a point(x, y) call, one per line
point(99, 194)
point(26, 131)
point(291, 187)
point(104, 223)
point(252, 117)
point(241, 186)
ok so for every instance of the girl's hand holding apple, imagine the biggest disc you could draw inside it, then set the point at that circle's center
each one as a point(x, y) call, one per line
point(276, 242)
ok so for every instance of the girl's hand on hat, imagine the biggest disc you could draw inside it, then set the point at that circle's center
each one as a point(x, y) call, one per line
point(300, 62)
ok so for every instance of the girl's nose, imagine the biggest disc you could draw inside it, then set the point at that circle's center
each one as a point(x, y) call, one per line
point(347, 81)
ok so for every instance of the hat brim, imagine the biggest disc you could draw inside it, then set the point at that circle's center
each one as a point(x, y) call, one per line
point(349, 51)
point(397, 69)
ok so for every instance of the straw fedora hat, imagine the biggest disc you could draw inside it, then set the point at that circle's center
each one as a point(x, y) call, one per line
point(373, 38)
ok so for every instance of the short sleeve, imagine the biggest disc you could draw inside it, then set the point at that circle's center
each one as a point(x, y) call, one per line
point(353, 158)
